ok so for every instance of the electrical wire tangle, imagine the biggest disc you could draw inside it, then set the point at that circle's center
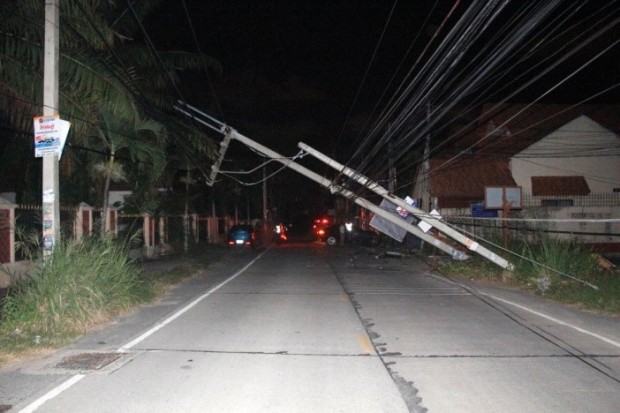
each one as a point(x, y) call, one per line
point(286, 161)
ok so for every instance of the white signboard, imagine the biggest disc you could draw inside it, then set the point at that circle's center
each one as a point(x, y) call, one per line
point(50, 135)
point(425, 226)
point(494, 197)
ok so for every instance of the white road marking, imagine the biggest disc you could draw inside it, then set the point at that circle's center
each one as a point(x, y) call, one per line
point(537, 313)
point(555, 320)
point(51, 394)
point(74, 379)
point(188, 307)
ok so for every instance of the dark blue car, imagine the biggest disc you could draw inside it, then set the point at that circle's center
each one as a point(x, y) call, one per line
point(242, 235)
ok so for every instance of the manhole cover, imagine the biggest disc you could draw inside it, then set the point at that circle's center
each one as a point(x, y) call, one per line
point(87, 361)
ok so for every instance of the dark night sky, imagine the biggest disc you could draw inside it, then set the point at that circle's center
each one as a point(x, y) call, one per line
point(292, 69)
point(295, 66)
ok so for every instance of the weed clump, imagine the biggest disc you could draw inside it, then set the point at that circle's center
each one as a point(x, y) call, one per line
point(83, 284)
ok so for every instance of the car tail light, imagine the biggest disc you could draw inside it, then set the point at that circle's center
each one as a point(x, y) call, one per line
point(231, 243)
point(321, 232)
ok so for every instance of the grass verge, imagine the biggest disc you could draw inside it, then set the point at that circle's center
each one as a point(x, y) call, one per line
point(559, 270)
point(83, 285)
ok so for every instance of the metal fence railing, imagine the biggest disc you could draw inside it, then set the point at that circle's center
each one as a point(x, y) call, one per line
point(609, 199)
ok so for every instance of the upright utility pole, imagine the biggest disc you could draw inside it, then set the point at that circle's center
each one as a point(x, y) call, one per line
point(51, 204)
point(392, 170)
point(265, 207)
point(426, 165)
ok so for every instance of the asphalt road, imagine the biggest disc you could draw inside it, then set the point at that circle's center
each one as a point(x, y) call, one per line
point(308, 328)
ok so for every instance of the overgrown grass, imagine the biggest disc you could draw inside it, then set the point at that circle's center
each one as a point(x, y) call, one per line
point(558, 258)
point(82, 285)
point(559, 269)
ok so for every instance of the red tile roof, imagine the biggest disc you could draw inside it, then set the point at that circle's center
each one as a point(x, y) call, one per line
point(468, 176)
point(480, 156)
point(507, 129)
point(559, 185)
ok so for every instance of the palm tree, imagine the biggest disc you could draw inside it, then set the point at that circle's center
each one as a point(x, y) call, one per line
point(140, 140)
point(111, 89)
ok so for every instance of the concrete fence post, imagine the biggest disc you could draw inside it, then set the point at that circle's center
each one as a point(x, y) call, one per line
point(83, 222)
point(7, 232)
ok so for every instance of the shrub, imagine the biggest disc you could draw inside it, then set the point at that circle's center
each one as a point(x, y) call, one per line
point(82, 284)
point(563, 256)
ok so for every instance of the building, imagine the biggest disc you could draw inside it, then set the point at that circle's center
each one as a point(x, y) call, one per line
point(565, 159)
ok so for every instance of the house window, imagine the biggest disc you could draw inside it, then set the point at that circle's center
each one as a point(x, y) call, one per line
point(616, 189)
point(556, 202)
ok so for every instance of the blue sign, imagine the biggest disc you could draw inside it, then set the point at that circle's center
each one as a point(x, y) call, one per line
point(478, 211)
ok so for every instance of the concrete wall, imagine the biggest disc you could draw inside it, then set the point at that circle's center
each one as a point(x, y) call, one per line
point(587, 224)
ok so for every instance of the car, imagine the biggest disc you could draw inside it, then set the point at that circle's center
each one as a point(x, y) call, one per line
point(352, 235)
point(241, 235)
point(320, 225)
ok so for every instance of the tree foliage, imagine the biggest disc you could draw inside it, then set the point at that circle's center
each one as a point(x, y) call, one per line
point(115, 90)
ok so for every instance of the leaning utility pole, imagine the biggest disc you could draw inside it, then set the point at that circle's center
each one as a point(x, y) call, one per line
point(51, 204)
point(394, 219)
point(429, 219)
point(417, 212)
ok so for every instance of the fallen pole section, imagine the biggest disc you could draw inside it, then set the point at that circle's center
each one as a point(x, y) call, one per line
point(418, 213)
point(230, 133)
point(453, 252)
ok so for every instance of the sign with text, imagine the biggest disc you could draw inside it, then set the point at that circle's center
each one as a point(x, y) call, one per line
point(50, 135)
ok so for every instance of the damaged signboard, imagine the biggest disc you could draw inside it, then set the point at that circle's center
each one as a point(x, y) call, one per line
point(388, 228)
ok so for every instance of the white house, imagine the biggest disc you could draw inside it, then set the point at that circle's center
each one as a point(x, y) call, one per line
point(565, 158)
point(582, 148)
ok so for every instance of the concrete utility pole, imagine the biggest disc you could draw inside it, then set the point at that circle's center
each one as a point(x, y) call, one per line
point(51, 204)
point(420, 214)
point(265, 207)
point(343, 192)
point(426, 166)
point(392, 170)
point(472, 245)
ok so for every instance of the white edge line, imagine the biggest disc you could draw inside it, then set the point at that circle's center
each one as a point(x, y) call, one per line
point(555, 320)
point(183, 310)
point(539, 314)
point(52, 393)
point(70, 382)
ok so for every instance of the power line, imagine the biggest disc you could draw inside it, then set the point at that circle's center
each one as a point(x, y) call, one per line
point(600, 31)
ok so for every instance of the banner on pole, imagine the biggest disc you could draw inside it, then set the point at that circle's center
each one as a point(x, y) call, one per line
point(50, 135)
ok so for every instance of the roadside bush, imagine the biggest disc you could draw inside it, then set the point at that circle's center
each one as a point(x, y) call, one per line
point(81, 285)
point(563, 256)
